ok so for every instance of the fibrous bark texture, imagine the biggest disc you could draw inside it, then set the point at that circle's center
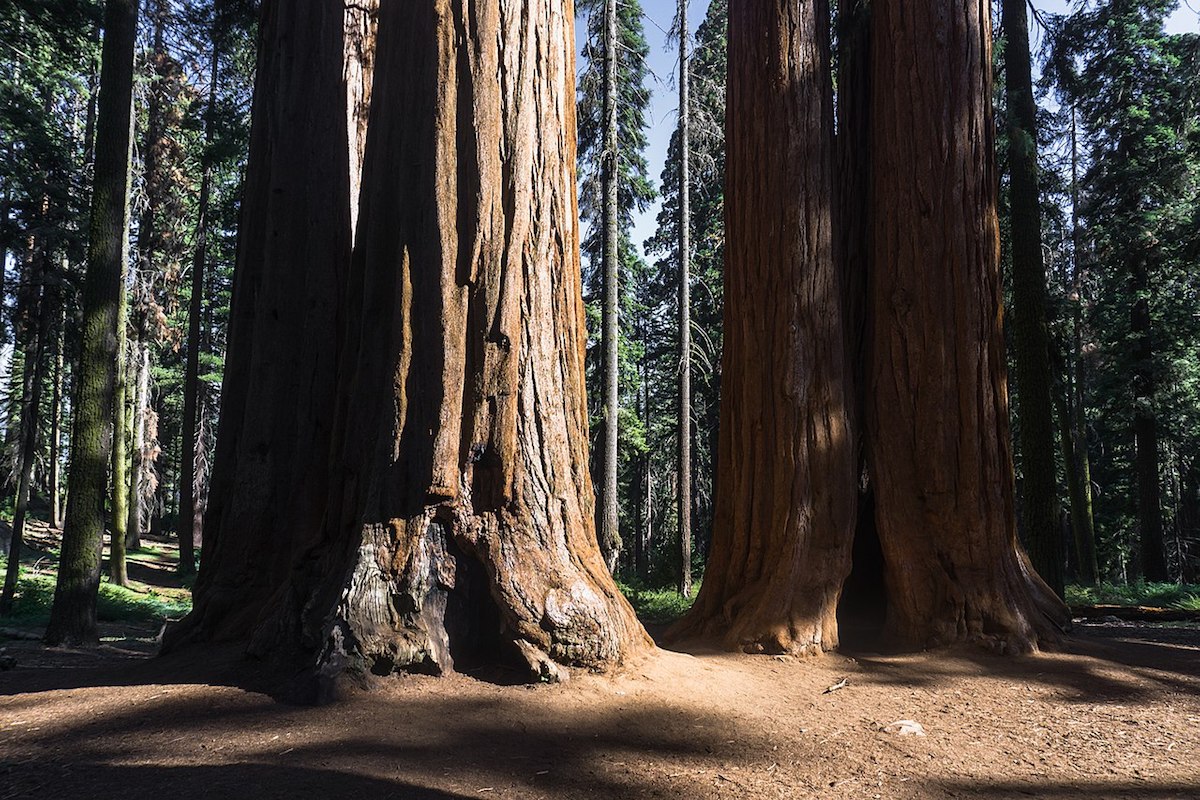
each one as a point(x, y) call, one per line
point(454, 525)
point(937, 415)
point(785, 514)
point(268, 480)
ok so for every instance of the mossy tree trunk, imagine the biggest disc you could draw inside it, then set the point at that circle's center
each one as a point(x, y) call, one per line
point(73, 614)
point(117, 571)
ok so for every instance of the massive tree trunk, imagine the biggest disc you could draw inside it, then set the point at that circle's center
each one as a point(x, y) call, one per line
point(937, 416)
point(73, 615)
point(268, 476)
point(1039, 487)
point(455, 522)
point(786, 510)
point(609, 518)
point(685, 312)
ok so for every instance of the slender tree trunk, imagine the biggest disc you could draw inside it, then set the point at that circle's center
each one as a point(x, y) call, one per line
point(685, 313)
point(29, 427)
point(189, 530)
point(148, 244)
point(1189, 519)
point(609, 520)
point(645, 533)
point(5, 211)
point(1080, 474)
point(117, 570)
point(937, 417)
point(1085, 552)
point(141, 389)
point(73, 614)
point(1039, 487)
point(1153, 556)
point(786, 509)
point(56, 412)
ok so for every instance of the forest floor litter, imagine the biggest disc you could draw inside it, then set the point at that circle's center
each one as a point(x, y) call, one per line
point(1115, 715)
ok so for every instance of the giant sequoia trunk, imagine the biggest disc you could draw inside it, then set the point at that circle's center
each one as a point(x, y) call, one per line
point(785, 513)
point(267, 488)
point(936, 408)
point(454, 524)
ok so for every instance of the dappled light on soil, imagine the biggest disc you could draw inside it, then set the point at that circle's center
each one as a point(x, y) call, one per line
point(1107, 719)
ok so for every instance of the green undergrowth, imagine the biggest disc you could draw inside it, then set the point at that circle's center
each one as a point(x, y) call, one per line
point(35, 593)
point(1185, 597)
point(658, 606)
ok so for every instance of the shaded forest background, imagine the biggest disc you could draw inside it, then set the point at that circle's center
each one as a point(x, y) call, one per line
point(1118, 151)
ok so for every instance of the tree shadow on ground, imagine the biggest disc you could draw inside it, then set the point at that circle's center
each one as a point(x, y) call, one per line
point(454, 737)
point(1082, 790)
point(1149, 662)
point(105, 782)
point(482, 742)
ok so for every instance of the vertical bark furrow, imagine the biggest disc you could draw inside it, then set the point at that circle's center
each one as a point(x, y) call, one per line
point(785, 515)
point(268, 487)
point(939, 453)
point(454, 525)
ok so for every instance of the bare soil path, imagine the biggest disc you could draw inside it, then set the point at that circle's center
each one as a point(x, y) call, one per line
point(1117, 716)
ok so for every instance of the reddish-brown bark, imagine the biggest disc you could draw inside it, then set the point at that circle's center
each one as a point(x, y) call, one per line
point(437, 509)
point(937, 403)
point(785, 515)
point(280, 376)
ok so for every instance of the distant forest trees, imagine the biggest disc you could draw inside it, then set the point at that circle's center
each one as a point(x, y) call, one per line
point(347, 300)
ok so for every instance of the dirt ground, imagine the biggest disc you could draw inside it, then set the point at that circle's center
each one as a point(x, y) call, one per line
point(1116, 716)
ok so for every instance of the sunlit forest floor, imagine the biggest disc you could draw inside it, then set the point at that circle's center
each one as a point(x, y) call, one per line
point(1115, 714)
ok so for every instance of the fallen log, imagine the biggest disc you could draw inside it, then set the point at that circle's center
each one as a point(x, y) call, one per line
point(1135, 613)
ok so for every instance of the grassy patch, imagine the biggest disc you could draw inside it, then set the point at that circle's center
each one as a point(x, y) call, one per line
point(1158, 595)
point(658, 606)
point(141, 603)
